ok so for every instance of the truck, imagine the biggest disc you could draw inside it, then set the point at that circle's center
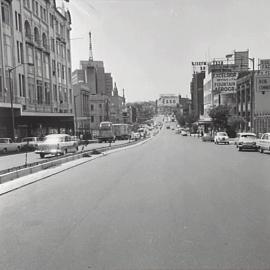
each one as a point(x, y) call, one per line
point(105, 132)
point(122, 131)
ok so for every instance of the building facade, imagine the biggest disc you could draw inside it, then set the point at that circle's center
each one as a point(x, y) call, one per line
point(35, 69)
point(220, 80)
point(167, 103)
point(197, 94)
point(117, 106)
point(90, 86)
point(253, 99)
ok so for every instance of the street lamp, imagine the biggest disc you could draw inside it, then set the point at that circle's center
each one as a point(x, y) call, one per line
point(11, 96)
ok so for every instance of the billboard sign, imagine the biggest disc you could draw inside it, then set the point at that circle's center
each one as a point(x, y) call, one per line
point(262, 82)
point(199, 66)
point(224, 82)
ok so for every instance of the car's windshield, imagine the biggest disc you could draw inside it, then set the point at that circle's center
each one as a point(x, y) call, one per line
point(222, 134)
point(53, 139)
point(249, 136)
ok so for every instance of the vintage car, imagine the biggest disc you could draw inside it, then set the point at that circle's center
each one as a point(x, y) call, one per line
point(246, 141)
point(221, 137)
point(57, 144)
point(264, 143)
point(30, 143)
point(207, 137)
point(7, 145)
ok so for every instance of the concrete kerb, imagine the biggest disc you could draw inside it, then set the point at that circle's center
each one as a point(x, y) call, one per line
point(37, 174)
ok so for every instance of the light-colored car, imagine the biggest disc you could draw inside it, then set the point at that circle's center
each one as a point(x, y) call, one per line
point(264, 143)
point(246, 140)
point(135, 136)
point(221, 137)
point(184, 133)
point(207, 137)
point(57, 144)
point(7, 145)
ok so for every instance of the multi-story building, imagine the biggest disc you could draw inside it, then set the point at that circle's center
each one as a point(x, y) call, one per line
point(167, 103)
point(253, 99)
point(90, 86)
point(35, 68)
point(220, 80)
point(117, 106)
point(196, 91)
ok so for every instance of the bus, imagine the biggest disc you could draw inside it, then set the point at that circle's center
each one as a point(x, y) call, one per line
point(122, 131)
point(106, 133)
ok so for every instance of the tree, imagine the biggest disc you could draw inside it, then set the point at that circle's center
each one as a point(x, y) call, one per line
point(220, 115)
point(235, 122)
point(180, 119)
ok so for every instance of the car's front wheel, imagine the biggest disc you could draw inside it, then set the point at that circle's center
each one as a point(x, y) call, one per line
point(261, 150)
point(42, 155)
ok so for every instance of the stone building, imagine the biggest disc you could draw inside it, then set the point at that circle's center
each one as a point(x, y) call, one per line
point(35, 54)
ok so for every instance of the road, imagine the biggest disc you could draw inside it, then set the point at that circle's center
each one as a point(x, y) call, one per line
point(171, 203)
point(19, 159)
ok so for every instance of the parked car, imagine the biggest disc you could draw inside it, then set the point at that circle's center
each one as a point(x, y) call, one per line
point(264, 143)
point(7, 145)
point(221, 137)
point(30, 143)
point(57, 144)
point(246, 140)
point(207, 137)
point(184, 133)
point(135, 136)
point(168, 127)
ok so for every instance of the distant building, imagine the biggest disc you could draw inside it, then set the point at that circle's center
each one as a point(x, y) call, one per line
point(220, 80)
point(91, 102)
point(117, 106)
point(35, 52)
point(167, 103)
point(197, 94)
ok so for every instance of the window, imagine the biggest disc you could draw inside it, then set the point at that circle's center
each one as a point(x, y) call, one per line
point(52, 45)
point(27, 30)
point(36, 34)
point(100, 118)
point(31, 89)
point(70, 96)
point(68, 55)
point(69, 75)
point(100, 106)
point(46, 67)
point(16, 20)
point(5, 13)
point(59, 71)
point(47, 93)
point(22, 85)
point(92, 107)
point(92, 119)
point(21, 52)
point(30, 58)
point(53, 67)
point(51, 21)
point(63, 72)
point(39, 92)
point(55, 92)
point(39, 63)
point(44, 41)
point(19, 22)
point(36, 10)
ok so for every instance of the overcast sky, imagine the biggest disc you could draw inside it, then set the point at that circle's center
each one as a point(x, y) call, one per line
point(148, 45)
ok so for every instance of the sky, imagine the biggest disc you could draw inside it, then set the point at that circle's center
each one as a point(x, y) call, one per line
point(148, 45)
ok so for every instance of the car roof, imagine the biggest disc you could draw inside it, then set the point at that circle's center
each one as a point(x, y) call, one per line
point(246, 133)
point(57, 135)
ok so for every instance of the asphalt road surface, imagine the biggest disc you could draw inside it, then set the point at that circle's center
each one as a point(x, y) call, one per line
point(172, 203)
point(18, 159)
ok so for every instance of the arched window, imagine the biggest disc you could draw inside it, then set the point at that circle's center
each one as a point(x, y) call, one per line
point(44, 40)
point(36, 35)
point(27, 30)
